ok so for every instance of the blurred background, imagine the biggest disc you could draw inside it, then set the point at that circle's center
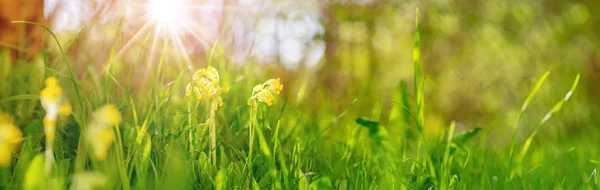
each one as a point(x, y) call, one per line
point(480, 58)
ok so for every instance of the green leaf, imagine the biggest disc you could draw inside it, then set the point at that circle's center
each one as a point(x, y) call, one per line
point(417, 54)
point(221, 179)
point(375, 130)
point(537, 86)
point(405, 101)
point(20, 97)
point(381, 134)
point(373, 126)
point(402, 105)
point(5, 70)
point(35, 178)
point(466, 136)
point(321, 182)
point(35, 129)
point(264, 146)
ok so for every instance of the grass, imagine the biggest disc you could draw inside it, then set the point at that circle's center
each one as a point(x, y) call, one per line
point(165, 141)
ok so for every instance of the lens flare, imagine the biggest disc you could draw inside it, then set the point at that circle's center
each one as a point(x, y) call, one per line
point(168, 13)
point(165, 11)
point(182, 27)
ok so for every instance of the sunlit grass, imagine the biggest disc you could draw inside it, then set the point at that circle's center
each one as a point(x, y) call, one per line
point(182, 131)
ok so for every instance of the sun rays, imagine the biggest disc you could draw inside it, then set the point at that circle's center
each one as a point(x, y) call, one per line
point(173, 25)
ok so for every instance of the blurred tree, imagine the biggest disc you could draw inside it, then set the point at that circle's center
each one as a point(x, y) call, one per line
point(24, 40)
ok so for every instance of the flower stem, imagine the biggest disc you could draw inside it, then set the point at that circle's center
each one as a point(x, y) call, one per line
point(50, 135)
point(49, 156)
point(251, 138)
point(213, 133)
point(190, 128)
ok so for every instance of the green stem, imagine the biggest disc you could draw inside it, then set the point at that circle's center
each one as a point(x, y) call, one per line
point(190, 135)
point(122, 169)
point(251, 138)
point(213, 133)
point(50, 133)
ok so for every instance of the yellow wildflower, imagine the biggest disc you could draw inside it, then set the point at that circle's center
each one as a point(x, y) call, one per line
point(10, 138)
point(53, 91)
point(5, 154)
point(65, 110)
point(205, 83)
point(100, 133)
point(101, 140)
point(10, 134)
point(108, 115)
point(55, 104)
point(53, 100)
point(264, 92)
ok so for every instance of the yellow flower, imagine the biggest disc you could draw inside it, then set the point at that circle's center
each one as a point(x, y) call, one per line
point(273, 85)
point(108, 115)
point(10, 138)
point(55, 104)
point(53, 100)
point(5, 154)
point(205, 83)
point(101, 139)
point(264, 92)
point(53, 91)
point(11, 135)
point(265, 96)
point(100, 133)
point(65, 110)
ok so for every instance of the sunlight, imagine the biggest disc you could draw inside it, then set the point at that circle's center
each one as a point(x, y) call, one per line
point(182, 26)
point(166, 11)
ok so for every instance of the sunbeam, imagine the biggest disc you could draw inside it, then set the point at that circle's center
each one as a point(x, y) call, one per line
point(135, 37)
point(179, 24)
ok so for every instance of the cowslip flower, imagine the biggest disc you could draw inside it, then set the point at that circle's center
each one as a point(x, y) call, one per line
point(10, 138)
point(55, 105)
point(205, 83)
point(264, 92)
point(261, 93)
point(100, 134)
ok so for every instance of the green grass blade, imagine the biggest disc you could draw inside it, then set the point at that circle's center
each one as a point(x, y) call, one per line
point(557, 107)
point(20, 97)
point(417, 54)
point(532, 93)
point(537, 86)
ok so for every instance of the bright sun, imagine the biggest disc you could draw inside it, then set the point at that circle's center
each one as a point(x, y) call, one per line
point(166, 12)
point(175, 24)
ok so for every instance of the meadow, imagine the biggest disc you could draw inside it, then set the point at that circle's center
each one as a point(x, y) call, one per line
point(148, 121)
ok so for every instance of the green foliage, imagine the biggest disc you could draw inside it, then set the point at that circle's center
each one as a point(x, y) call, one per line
point(463, 138)
point(35, 176)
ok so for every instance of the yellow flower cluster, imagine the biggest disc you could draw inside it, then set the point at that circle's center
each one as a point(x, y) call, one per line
point(10, 138)
point(100, 133)
point(55, 104)
point(264, 92)
point(205, 83)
